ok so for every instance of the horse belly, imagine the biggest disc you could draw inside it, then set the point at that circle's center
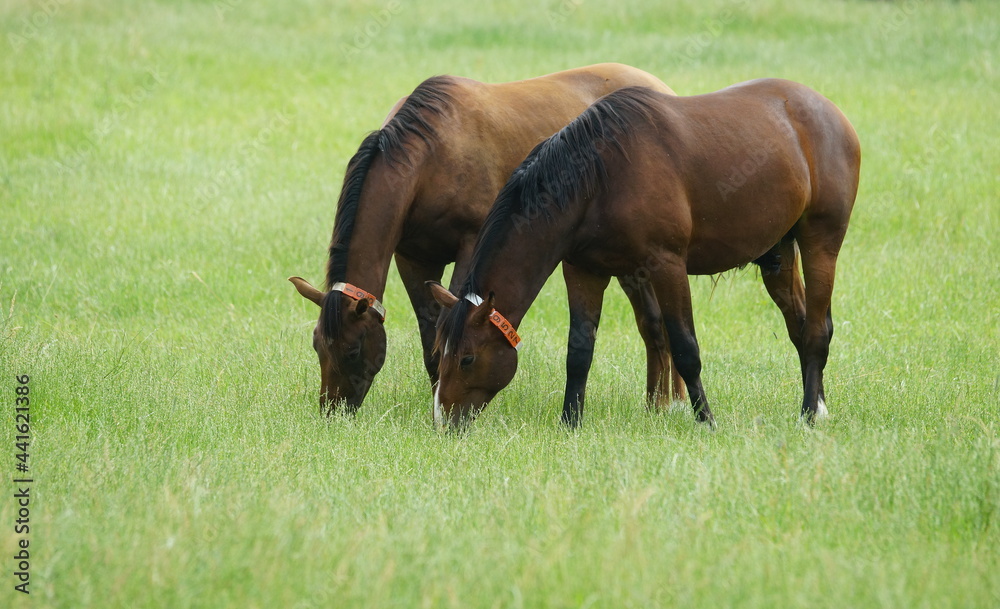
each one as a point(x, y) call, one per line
point(711, 256)
point(741, 236)
point(732, 227)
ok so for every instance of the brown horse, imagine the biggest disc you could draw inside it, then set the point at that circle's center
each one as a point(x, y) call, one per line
point(658, 187)
point(420, 187)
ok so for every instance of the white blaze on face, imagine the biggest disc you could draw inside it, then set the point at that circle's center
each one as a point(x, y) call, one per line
point(438, 413)
point(438, 416)
point(438, 410)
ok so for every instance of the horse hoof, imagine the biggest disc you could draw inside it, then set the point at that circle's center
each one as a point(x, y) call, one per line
point(708, 422)
point(676, 406)
point(821, 411)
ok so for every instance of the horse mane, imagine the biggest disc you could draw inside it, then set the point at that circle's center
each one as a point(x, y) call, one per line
point(563, 170)
point(396, 141)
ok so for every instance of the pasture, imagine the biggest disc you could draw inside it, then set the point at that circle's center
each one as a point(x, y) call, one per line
point(165, 165)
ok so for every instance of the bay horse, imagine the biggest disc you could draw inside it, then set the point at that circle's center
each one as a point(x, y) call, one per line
point(419, 188)
point(660, 187)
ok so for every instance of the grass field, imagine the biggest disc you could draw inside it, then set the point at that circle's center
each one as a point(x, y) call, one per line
point(164, 166)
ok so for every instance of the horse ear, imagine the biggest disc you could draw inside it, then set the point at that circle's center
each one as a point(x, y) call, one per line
point(307, 290)
point(361, 307)
point(482, 313)
point(441, 294)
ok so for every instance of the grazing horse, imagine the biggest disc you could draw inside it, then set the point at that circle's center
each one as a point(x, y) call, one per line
point(659, 187)
point(420, 187)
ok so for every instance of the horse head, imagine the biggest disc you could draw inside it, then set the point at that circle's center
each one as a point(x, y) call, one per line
point(350, 340)
point(478, 351)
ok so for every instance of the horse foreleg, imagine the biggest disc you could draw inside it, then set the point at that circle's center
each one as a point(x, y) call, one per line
point(586, 299)
point(427, 310)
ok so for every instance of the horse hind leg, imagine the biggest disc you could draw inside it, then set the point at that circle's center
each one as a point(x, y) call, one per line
point(779, 270)
point(664, 384)
point(819, 265)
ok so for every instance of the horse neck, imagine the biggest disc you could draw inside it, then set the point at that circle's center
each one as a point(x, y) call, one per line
point(517, 270)
point(386, 199)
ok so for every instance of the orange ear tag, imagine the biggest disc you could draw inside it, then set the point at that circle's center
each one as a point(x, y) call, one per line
point(500, 322)
point(359, 294)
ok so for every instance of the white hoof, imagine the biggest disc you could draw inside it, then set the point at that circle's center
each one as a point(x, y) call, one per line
point(821, 411)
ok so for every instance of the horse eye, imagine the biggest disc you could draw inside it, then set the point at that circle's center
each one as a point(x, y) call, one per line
point(467, 361)
point(355, 352)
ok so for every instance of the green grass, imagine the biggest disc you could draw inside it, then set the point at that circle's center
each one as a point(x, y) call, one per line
point(165, 165)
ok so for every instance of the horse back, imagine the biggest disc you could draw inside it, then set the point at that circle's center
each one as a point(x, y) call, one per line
point(732, 172)
point(525, 112)
point(485, 131)
point(755, 137)
point(491, 127)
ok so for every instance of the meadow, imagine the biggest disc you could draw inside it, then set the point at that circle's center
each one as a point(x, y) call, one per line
point(165, 165)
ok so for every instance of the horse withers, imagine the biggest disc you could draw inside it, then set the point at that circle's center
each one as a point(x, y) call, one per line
point(419, 188)
point(658, 187)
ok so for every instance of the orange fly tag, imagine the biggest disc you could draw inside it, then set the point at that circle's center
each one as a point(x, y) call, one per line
point(359, 294)
point(508, 330)
point(499, 321)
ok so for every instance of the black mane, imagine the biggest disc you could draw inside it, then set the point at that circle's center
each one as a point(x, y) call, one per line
point(563, 170)
point(396, 142)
